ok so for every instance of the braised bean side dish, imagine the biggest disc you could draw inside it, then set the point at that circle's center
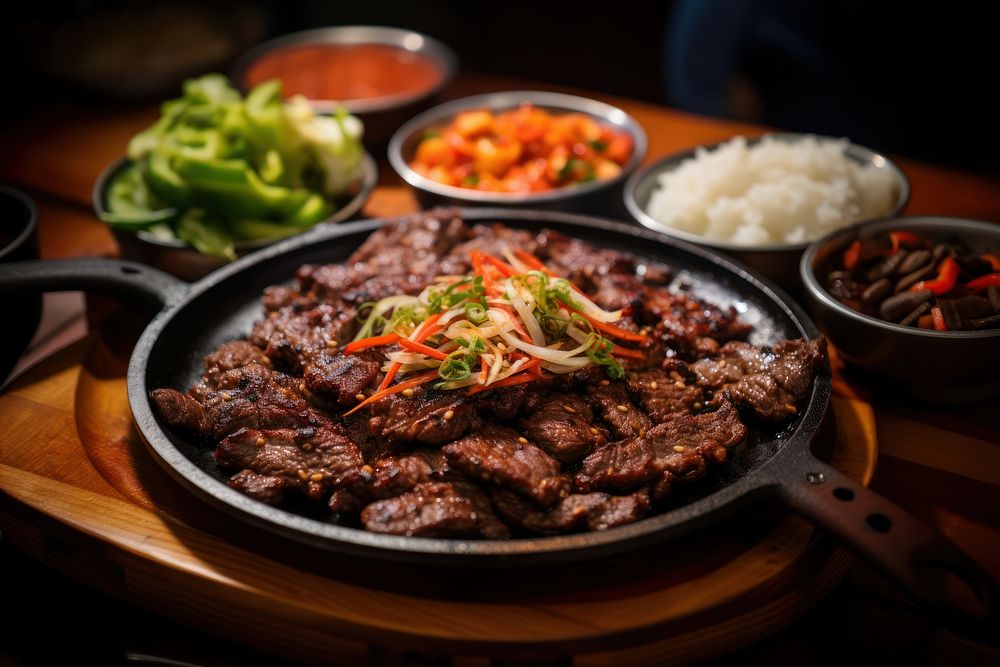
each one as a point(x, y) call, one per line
point(485, 382)
point(912, 280)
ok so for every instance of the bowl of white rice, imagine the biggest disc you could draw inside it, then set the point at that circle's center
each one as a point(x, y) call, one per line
point(763, 200)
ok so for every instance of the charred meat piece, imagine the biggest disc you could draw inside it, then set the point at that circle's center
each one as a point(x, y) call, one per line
point(312, 460)
point(393, 475)
point(291, 338)
point(265, 488)
point(234, 354)
point(564, 427)
point(341, 377)
point(436, 509)
point(498, 456)
point(411, 247)
point(507, 403)
point(325, 282)
point(766, 382)
point(257, 397)
point(278, 297)
point(390, 476)
point(680, 449)
point(579, 511)
point(614, 279)
point(428, 416)
point(667, 394)
point(181, 411)
point(615, 407)
point(686, 324)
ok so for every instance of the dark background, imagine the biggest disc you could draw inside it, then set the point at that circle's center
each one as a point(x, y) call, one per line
point(914, 79)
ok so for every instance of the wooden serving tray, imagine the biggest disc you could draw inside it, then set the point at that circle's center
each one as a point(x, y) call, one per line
point(79, 492)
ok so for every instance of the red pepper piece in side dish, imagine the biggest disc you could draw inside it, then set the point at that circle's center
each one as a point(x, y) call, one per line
point(983, 282)
point(900, 239)
point(852, 255)
point(944, 282)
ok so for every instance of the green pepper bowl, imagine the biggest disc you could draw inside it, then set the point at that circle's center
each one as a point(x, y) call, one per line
point(182, 260)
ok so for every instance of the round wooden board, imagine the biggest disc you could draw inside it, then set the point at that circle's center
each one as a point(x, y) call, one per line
point(92, 502)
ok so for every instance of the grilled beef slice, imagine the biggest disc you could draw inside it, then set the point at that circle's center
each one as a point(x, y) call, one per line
point(436, 509)
point(181, 411)
point(265, 488)
point(499, 456)
point(428, 416)
point(312, 460)
point(341, 377)
point(678, 449)
point(666, 394)
point(612, 402)
point(578, 511)
point(766, 382)
point(564, 427)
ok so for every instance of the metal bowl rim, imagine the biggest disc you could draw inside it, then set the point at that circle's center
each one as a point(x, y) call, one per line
point(673, 160)
point(505, 100)
point(809, 279)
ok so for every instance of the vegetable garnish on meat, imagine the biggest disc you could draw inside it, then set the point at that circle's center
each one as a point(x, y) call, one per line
point(505, 323)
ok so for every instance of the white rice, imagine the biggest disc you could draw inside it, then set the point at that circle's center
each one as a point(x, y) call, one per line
point(776, 191)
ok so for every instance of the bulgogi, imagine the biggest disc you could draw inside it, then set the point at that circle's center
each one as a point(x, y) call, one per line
point(412, 439)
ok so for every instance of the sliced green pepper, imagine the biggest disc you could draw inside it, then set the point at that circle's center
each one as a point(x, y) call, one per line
point(131, 205)
point(207, 236)
point(254, 230)
point(315, 209)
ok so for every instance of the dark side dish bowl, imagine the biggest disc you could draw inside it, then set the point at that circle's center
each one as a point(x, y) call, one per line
point(935, 365)
point(593, 195)
point(382, 75)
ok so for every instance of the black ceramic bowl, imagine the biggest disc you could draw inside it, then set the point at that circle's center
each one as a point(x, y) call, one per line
point(937, 366)
point(595, 197)
point(18, 242)
point(780, 261)
point(381, 115)
point(177, 257)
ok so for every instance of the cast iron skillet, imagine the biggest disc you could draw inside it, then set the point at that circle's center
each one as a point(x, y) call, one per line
point(194, 318)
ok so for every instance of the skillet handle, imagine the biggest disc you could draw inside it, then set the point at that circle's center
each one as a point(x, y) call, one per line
point(928, 566)
point(136, 284)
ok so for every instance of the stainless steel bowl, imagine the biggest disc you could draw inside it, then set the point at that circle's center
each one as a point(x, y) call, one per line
point(602, 197)
point(381, 115)
point(937, 366)
point(780, 261)
point(180, 259)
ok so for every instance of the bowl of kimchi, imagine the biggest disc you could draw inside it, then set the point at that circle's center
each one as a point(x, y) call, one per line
point(525, 149)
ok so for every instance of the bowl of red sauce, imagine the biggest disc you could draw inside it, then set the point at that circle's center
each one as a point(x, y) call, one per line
point(382, 75)
point(521, 149)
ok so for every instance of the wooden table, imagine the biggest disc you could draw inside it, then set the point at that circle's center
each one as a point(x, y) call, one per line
point(943, 465)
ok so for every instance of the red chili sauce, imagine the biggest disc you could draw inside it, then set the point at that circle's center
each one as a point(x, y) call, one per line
point(346, 71)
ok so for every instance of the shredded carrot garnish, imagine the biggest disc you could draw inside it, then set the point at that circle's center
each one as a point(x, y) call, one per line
point(617, 332)
point(389, 374)
point(620, 351)
point(423, 378)
point(374, 341)
point(523, 375)
point(414, 346)
point(531, 261)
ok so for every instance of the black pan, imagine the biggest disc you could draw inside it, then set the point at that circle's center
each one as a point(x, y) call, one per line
point(193, 319)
